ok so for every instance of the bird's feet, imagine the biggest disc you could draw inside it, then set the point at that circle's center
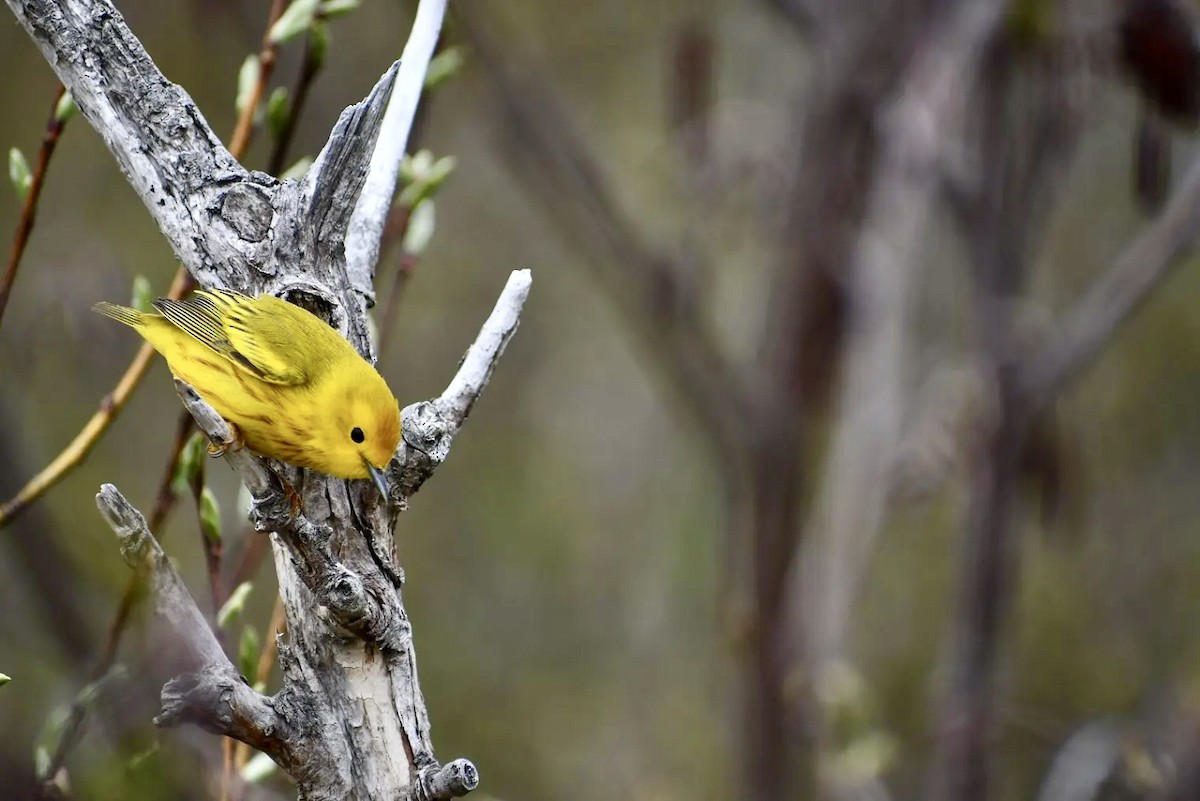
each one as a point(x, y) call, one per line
point(234, 443)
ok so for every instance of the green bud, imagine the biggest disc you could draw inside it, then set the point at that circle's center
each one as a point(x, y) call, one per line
point(440, 171)
point(232, 608)
point(4, 679)
point(248, 651)
point(293, 21)
point(247, 80)
point(443, 66)
point(143, 294)
point(278, 108)
point(318, 43)
point(19, 174)
point(336, 8)
point(421, 224)
point(259, 768)
point(66, 108)
point(191, 459)
point(297, 170)
point(210, 515)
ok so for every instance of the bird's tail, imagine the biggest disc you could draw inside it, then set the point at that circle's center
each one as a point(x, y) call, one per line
point(122, 314)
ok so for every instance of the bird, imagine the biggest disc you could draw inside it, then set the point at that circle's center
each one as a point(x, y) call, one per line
point(290, 385)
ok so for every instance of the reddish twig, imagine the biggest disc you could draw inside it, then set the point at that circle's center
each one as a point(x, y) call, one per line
point(309, 69)
point(54, 127)
point(243, 132)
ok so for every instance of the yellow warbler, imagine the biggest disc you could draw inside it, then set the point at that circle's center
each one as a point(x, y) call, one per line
point(293, 387)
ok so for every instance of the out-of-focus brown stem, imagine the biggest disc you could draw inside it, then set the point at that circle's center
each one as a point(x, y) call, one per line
point(262, 670)
point(243, 132)
point(134, 588)
point(393, 234)
point(54, 127)
point(308, 73)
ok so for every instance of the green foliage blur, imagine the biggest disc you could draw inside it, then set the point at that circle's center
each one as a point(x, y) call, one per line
point(564, 566)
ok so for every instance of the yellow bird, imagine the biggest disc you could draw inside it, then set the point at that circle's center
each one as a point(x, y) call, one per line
point(291, 385)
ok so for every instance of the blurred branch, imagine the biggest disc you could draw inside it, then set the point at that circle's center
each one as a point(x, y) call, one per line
point(243, 132)
point(882, 272)
point(214, 695)
point(310, 67)
point(546, 151)
point(54, 127)
point(1027, 127)
point(1088, 327)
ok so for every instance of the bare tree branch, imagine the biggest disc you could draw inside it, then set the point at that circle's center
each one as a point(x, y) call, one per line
point(214, 696)
point(1120, 291)
point(927, 114)
point(547, 152)
point(349, 652)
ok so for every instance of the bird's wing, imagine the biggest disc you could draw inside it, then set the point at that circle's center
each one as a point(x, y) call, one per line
point(226, 322)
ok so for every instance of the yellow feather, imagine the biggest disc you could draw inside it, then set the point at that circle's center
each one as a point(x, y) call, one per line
point(295, 389)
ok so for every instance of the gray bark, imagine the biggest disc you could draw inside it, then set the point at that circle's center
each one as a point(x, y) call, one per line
point(349, 721)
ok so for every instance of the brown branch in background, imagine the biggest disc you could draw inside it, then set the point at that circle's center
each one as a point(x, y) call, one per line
point(396, 228)
point(243, 132)
point(1089, 326)
point(266, 662)
point(1025, 142)
point(546, 152)
point(54, 127)
point(309, 68)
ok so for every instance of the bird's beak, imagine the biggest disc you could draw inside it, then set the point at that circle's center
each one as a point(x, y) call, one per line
point(379, 477)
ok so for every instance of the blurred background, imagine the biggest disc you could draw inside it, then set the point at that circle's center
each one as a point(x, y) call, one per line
point(760, 502)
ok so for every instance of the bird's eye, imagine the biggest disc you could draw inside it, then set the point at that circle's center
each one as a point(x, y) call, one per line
point(357, 435)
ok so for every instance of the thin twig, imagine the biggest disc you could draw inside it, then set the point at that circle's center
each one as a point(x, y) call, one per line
point(239, 141)
point(54, 127)
point(1116, 295)
point(266, 661)
point(110, 406)
point(309, 69)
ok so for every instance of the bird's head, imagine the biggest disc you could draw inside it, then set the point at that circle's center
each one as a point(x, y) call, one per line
point(367, 428)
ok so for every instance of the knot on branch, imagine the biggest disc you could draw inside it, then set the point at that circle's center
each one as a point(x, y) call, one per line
point(427, 436)
point(440, 782)
point(247, 210)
